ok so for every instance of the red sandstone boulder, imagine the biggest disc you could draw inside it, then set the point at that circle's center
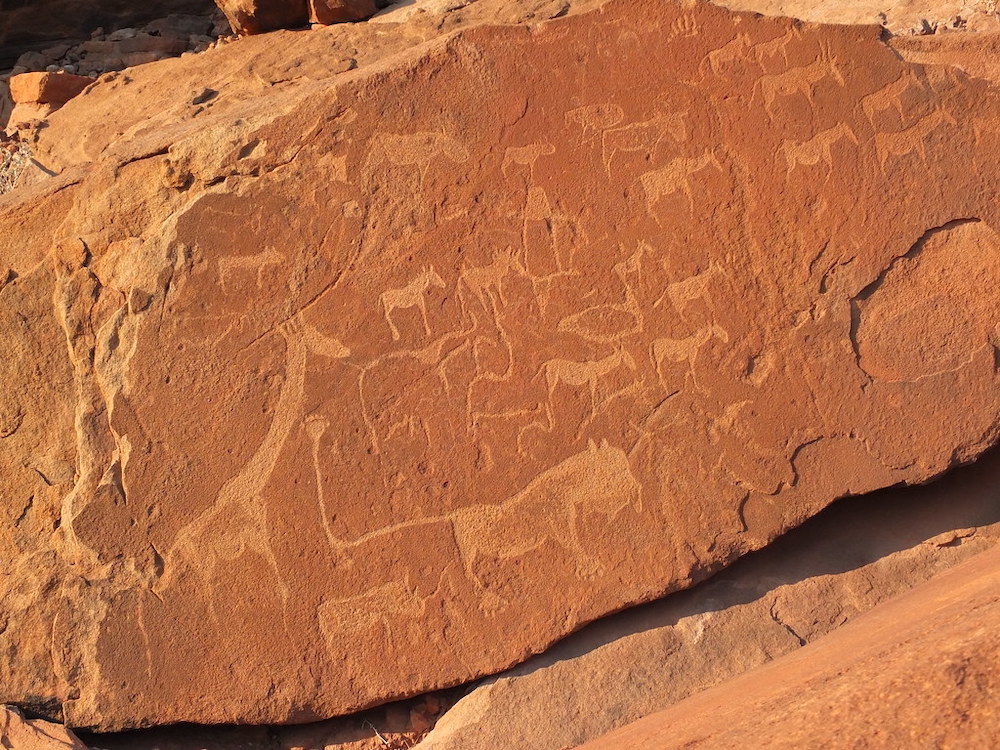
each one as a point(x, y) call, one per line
point(18, 733)
point(339, 11)
point(47, 88)
point(258, 16)
point(359, 387)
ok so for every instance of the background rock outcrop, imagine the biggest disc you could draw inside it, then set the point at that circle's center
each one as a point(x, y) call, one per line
point(357, 389)
point(37, 24)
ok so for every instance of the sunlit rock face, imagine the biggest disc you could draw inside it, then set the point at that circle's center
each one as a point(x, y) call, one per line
point(367, 386)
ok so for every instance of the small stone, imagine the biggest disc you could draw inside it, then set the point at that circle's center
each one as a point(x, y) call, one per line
point(122, 34)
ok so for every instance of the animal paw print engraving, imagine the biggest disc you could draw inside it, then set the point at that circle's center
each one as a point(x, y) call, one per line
point(685, 26)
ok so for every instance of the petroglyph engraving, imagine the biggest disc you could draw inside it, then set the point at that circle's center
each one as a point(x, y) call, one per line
point(733, 52)
point(411, 295)
point(820, 146)
point(257, 263)
point(913, 139)
point(643, 136)
point(594, 119)
point(797, 81)
point(419, 150)
point(589, 373)
point(599, 480)
point(891, 97)
point(525, 156)
point(684, 350)
point(676, 177)
point(767, 51)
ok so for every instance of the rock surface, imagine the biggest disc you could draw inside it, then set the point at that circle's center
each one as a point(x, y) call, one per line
point(46, 88)
point(258, 16)
point(374, 390)
point(920, 671)
point(18, 733)
point(845, 561)
point(37, 24)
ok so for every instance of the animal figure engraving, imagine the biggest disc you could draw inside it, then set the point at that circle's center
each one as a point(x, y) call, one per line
point(599, 480)
point(411, 295)
point(797, 81)
point(525, 156)
point(903, 142)
point(686, 349)
point(240, 496)
point(594, 119)
point(675, 177)
point(483, 281)
point(732, 52)
point(891, 97)
point(643, 136)
point(769, 50)
point(418, 150)
point(258, 262)
point(820, 146)
point(579, 374)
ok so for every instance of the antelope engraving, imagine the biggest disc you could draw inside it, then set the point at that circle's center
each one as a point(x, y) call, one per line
point(525, 156)
point(797, 81)
point(594, 119)
point(891, 97)
point(686, 349)
point(675, 177)
point(903, 142)
point(820, 146)
point(411, 295)
point(643, 136)
point(258, 262)
point(580, 374)
point(734, 51)
point(418, 150)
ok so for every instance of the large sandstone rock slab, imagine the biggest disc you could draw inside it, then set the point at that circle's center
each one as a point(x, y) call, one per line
point(920, 671)
point(839, 564)
point(388, 384)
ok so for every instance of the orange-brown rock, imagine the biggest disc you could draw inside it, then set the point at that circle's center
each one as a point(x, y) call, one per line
point(19, 733)
point(339, 11)
point(920, 671)
point(259, 16)
point(376, 383)
point(46, 88)
point(839, 564)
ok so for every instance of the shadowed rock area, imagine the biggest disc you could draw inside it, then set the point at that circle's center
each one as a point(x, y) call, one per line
point(27, 25)
point(940, 638)
point(334, 380)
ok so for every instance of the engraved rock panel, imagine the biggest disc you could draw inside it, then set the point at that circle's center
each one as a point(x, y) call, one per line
point(397, 382)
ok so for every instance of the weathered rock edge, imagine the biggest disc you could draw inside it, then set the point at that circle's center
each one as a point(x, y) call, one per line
point(853, 688)
point(392, 384)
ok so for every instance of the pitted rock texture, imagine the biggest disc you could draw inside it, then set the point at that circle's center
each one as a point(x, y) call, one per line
point(392, 382)
point(920, 671)
point(37, 24)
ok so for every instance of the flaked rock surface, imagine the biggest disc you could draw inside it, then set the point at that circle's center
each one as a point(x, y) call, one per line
point(920, 671)
point(377, 383)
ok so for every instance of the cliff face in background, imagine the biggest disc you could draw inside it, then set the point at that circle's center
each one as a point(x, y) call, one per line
point(27, 25)
point(342, 367)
